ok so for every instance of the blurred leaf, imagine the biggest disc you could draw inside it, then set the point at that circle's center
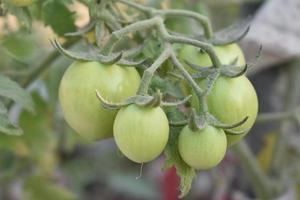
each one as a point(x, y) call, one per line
point(185, 172)
point(39, 188)
point(166, 86)
point(3, 109)
point(7, 127)
point(22, 14)
point(128, 184)
point(58, 16)
point(38, 135)
point(20, 46)
point(233, 33)
point(264, 156)
point(12, 90)
point(152, 48)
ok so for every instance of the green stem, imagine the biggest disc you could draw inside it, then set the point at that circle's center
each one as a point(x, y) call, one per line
point(203, 20)
point(258, 179)
point(271, 117)
point(148, 73)
point(116, 36)
point(292, 97)
point(198, 91)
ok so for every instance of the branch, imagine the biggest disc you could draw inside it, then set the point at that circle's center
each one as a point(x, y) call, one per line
point(148, 73)
point(259, 181)
point(203, 20)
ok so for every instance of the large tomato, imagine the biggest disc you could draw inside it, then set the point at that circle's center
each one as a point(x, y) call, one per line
point(202, 149)
point(81, 109)
point(230, 101)
point(20, 3)
point(141, 133)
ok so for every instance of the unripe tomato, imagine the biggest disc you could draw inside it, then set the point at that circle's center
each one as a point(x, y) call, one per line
point(141, 133)
point(21, 3)
point(202, 149)
point(226, 54)
point(193, 55)
point(230, 101)
point(81, 109)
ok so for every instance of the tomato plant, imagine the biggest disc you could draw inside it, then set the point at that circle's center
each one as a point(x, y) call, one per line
point(202, 149)
point(141, 133)
point(102, 94)
point(77, 96)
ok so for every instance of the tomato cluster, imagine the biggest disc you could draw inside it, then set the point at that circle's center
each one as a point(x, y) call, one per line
point(142, 132)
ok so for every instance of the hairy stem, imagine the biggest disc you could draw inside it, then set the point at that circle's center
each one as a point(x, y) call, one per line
point(198, 91)
point(203, 20)
point(119, 34)
point(148, 73)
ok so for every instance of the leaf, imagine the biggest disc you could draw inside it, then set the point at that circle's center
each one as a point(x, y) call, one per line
point(233, 33)
point(58, 16)
point(12, 90)
point(3, 109)
point(165, 86)
point(38, 187)
point(185, 172)
point(22, 14)
point(152, 48)
point(7, 127)
point(21, 46)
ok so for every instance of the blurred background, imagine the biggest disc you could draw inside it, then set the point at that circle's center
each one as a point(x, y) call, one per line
point(93, 171)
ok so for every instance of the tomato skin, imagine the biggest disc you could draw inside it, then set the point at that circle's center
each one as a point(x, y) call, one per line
point(21, 3)
point(81, 109)
point(141, 133)
point(193, 55)
point(231, 100)
point(226, 54)
point(202, 149)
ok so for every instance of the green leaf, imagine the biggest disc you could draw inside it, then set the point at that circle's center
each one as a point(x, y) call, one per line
point(12, 90)
point(22, 14)
point(185, 172)
point(38, 187)
point(152, 48)
point(58, 16)
point(20, 46)
point(166, 86)
point(7, 127)
point(3, 109)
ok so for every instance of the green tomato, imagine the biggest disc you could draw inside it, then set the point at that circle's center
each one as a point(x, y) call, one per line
point(202, 149)
point(226, 54)
point(141, 133)
point(230, 101)
point(193, 55)
point(81, 109)
point(20, 3)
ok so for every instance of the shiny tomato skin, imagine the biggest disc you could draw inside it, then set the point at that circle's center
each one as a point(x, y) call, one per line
point(81, 109)
point(141, 133)
point(202, 149)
